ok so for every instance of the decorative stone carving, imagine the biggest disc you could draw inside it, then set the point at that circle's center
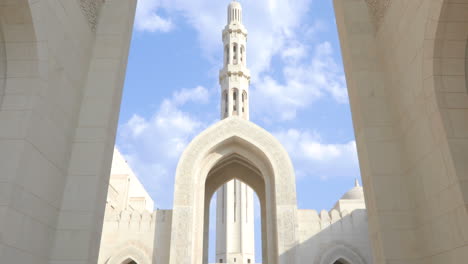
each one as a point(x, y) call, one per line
point(90, 9)
point(378, 9)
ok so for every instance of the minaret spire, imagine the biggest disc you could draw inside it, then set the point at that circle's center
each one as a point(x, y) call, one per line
point(234, 77)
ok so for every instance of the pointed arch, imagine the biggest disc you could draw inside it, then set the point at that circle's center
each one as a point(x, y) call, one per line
point(340, 253)
point(129, 261)
point(231, 137)
point(129, 253)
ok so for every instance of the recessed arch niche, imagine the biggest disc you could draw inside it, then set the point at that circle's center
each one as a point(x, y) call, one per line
point(339, 253)
point(129, 261)
point(234, 147)
point(236, 167)
point(130, 255)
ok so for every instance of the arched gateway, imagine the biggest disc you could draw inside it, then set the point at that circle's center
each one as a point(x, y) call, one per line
point(234, 148)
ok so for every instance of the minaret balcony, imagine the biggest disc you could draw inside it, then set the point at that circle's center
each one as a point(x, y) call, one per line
point(231, 69)
point(238, 28)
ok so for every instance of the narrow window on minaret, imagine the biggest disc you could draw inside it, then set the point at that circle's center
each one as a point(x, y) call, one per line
point(226, 55)
point(234, 97)
point(246, 200)
point(235, 199)
point(224, 195)
point(225, 102)
point(235, 53)
point(242, 54)
point(244, 101)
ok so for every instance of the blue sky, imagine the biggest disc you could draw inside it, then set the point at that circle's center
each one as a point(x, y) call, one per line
point(298, 90)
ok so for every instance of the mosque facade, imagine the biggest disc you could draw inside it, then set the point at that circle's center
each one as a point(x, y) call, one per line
point(133, 231)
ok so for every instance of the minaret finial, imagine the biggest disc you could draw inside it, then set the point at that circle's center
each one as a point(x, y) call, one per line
point(356, 183)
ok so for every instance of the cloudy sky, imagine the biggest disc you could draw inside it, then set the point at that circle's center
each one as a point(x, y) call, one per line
point(298, 90)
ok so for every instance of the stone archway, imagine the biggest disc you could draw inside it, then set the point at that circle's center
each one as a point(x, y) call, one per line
point(247, 146)
point(237, 166)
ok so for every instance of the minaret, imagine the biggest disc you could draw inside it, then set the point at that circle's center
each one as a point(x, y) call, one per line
point(235, 210)
point(234, 77)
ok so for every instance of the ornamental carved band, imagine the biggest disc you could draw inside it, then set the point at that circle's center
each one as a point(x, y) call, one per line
point(90, 9)
point(377, 9)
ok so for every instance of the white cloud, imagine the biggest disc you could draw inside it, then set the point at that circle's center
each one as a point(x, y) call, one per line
point(199, 94)
point(152, 146)
point(270, 24)
point(294, 52)
point(276, 28)
point(306, 80)
point(147, 19)
point(313, 158)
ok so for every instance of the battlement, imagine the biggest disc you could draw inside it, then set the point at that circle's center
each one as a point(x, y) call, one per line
point(312, 222)
point(138, 220)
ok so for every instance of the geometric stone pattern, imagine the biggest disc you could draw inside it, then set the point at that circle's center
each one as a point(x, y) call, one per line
point(91, 9)
point(378, 9)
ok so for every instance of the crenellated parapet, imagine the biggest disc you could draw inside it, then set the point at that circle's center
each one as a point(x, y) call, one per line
point(311, 222)
point(326, 235)
point(138, 220)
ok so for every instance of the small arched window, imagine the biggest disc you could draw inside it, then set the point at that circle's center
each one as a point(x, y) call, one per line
point(129, 261)
point(242, 51)
point(235, 50)
point(225, 95)
point(244, 101)
point(234, 97)
point(226, 59)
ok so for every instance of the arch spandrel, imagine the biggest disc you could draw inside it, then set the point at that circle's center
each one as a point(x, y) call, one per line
point(233, 135)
